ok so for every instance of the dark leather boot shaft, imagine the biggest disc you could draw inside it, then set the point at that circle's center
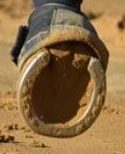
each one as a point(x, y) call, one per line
point(49, 16)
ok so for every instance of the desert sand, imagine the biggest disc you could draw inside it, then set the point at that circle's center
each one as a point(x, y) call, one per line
point(107, 135)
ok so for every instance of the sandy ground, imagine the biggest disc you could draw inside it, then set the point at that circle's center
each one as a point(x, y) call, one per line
point(107, 135)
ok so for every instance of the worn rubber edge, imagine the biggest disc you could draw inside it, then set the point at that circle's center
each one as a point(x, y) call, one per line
point(24, 94)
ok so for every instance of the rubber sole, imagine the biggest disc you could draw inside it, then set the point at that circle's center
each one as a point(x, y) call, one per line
point(55, 120)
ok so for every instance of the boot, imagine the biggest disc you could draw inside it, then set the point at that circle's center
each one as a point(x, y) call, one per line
point(62, 62)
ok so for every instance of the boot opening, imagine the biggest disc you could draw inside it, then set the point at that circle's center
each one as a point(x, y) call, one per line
point(62, 90)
